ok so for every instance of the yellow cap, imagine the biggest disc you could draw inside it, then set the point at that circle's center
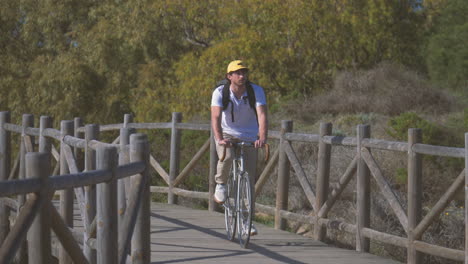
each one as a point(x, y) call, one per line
point(235, 66)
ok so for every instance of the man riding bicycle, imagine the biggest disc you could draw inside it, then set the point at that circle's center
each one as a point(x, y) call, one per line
point(238, 113)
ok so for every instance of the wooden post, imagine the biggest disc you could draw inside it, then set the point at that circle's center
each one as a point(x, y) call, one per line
point(39, 245)
point(212, 205)
point(466, 198)
point(414, 193)
point(78, 122)
point(91, 133)
point(323, 178)
point(283, 177)
point(107, 244)
point(123, 184)
point(27, 121)
point(66, 196)
point(5, 159)
point(175, 156)
point(139, 151)
point(128, 118)
point(45, 143)
point(363, 192)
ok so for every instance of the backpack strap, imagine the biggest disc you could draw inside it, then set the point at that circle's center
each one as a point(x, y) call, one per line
point(226, 97)
point(252, 98)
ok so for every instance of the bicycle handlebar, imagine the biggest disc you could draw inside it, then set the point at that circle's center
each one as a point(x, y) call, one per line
point(247, 144)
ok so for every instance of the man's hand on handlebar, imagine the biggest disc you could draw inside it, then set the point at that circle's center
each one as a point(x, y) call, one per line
point(259, 143)
point(225, 142)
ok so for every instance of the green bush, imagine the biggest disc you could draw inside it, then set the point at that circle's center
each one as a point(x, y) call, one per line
point(432, 133)
point(446, 54)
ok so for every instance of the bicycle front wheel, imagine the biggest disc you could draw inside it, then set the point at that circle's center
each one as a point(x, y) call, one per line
point(244, 213)
point(230, 210)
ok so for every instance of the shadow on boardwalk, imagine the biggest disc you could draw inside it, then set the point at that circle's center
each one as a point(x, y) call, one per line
point(184, 235)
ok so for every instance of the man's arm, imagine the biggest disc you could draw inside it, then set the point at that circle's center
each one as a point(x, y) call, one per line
point(216, 125)
point(262, 126)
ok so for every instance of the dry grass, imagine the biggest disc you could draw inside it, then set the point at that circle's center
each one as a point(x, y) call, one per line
point(388, 89)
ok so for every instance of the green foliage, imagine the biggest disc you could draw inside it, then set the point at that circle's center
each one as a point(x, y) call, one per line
point(447, 52)
point(102, 59)
point(401, 175)
point(399, 125)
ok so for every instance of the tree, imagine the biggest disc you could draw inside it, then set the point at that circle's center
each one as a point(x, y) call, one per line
point(447, 52)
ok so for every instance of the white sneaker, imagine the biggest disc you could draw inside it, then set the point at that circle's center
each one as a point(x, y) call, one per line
point(253, 230)
point(220, 193)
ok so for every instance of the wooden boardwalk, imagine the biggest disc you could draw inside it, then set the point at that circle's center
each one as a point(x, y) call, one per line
point(184, 235)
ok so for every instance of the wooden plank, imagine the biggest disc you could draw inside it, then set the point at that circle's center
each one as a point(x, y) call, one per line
point(181, 192)
point(266, 173)
point(434, 250)
point(28, 143)
point(17, 235)
point(440, 205)
point(159, 169)
point(386, 189)
point(197, 236)
point(439, 150)
point(55, 153)
point(301, 176)
point(342, 183)
point(14, 170)
point(66, 238)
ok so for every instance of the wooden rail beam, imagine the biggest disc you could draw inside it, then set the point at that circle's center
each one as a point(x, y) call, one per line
point(17, 235)
point(386, 189)
point(266, 173)
point(159, 169)
point(301, 176)
point(342, 183)
point(192, 163)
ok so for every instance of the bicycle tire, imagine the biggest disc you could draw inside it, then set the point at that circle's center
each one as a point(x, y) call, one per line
point(244, 210)
point(230, 211)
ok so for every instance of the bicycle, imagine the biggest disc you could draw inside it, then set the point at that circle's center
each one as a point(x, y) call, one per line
point(238, 205)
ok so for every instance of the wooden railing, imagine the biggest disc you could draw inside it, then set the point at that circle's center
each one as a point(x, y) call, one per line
point(364, 166)
point(109, 168)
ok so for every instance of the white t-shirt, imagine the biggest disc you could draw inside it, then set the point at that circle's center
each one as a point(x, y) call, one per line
point(245, 126)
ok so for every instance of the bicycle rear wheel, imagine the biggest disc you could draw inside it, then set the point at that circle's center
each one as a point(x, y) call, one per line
point(244, 214)
point(230, 211)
